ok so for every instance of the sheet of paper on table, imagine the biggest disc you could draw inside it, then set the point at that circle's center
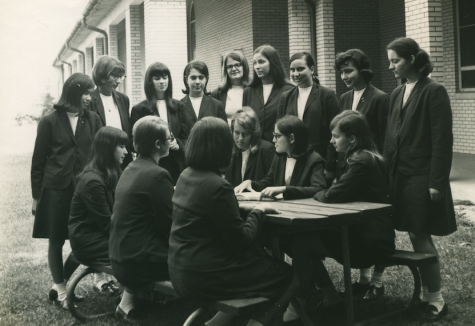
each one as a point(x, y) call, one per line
point(256, 196)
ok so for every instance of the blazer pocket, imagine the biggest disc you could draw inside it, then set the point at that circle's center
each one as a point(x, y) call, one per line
point(52, 169)
point(420, 152)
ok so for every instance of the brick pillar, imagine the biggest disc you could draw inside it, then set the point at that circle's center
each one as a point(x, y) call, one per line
point(424, 24)
point(325, 43)
point(113, 44)
point(299, 27)
point(98, 47)
point(80, 63)
point(89, 60)
point(169, 15)
point(134, 73)
point(75, 66)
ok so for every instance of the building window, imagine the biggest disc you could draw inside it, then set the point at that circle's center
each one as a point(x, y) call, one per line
point(466, 44)
point(192, 33)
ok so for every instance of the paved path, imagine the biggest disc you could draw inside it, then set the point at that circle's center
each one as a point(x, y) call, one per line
point(462, 177)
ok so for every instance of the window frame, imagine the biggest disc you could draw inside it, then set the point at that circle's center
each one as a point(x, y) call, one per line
point(460, 68)
point(192, 24)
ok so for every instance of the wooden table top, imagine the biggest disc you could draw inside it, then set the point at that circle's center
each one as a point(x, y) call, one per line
point(312, 213)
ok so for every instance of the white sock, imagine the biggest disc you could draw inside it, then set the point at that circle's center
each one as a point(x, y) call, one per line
point(99, 279)
point(425, 290)
point(377, 279)
point(220, 319)
point(292, 314)
point(62, 291)
point(127, 302)
point(365, 276)
point(435, 299)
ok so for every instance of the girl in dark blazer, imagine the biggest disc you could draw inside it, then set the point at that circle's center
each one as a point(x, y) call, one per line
point(419, 153)
point(198, 104)
point(314, 104)
point(62, 148)
point(213, 254)
point(91, 207)
point(141, 218)
point(234, 78)
point(296, 171)
point(158, 89)
point(268, 84)
point(111, 106)
point(252, 157)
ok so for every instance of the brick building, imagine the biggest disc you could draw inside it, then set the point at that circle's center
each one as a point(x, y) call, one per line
point(140, 32)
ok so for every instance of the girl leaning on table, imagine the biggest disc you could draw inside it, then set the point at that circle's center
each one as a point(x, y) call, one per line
point(363, 180)
point(419, 152)
point(213, 252)
point(234, 78)
point(92, 203)
point(158, 89)
point(62, 148)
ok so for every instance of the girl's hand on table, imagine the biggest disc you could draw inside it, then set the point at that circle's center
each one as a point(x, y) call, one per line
point(272, 191)
point(436, 195)
point(33, 206)
point(266, 208)
point(245, 185)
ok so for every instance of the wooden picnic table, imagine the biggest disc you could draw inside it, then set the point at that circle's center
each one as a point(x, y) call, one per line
point(304, 215)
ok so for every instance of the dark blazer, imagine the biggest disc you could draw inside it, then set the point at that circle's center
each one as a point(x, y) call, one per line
point(258, 164)
point(59, 154)
point(208, 233)
point(419, 134)
point(307, 178)
point(222, 96)
point(374, 105)
point(321, 108)
point(210, 107)
point(142, 213)
point(363, 181)
point(123, 104)
point(267, 112)
point(90, 216)
point(174, 163)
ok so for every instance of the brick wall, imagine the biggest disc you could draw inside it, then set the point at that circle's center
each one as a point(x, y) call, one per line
point(80, 63)
point(113, 44)
point(134, 85)
point(299, 27)
point(221, 26)
point(325, 43)
point(98, 47)
point(75, 66)
point(89, 61)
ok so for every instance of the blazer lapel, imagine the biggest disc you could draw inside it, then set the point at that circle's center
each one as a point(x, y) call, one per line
point(274, 91)
point(65, 121)
point(250, 161)
point(260, 94)
point(298, 169)
point(100, 106)
point(80, 125)
point(189, 108)
point(123, 112)
point(204, 106)
point(413, 94)
point(365, 97)
point(312, 97)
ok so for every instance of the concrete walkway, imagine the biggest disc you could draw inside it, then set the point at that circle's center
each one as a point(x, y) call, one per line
point(462, 177)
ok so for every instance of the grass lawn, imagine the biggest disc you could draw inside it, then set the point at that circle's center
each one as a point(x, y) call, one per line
point(25, 278)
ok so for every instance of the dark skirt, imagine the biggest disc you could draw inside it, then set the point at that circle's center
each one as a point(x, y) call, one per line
point(52, 213)
point(95, 251)
point(413, 209)
point(140, 276)
point(249, 277)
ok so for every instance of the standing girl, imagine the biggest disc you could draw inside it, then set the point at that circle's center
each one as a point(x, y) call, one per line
point(158, 89)
point(419, 153)
point(268, 84)
point(62, 148)
point(314, 104)
point(234, 78)
point(198, 103)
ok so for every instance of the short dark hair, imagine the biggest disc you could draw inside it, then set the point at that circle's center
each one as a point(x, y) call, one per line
point(209, 145)
point(309, 61)
point(406, 47)
point(73, 89)
point(157, 69)
point(359, 59)
point(225, 80)
point(146, 132)
point(106, 66)
point(292, 125)
point(276, 70)
point(201, 67)
point(104, 145)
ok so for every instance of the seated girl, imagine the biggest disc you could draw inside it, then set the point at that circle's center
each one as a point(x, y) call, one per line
point(251, 156)
point(91, 207)
point(213, 253)
point(363, 180)
point(296, 171)
point(141, 218)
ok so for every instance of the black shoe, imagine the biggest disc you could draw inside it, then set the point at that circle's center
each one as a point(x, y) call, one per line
point(113, 286)
point(432, 315)
point(374, 293)
point(132, 316)
point(105, 289)
point(53, 295)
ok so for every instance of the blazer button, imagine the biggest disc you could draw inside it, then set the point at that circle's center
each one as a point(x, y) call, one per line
point(395, 135)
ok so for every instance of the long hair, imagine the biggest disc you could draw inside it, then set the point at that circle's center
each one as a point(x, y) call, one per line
point(353, 123)
point(73, 89)
point(103, 160)
point(309, 61)
point(157, 69)
point(359, 59)
point(405, 47)
point(202, 68)
point(248, 119)
point(225, 80)
point(292, 125)
point(276, 70)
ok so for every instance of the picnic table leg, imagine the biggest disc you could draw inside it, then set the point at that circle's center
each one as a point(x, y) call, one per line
point(276, 246)
point(347, 275)
point(189, 321)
